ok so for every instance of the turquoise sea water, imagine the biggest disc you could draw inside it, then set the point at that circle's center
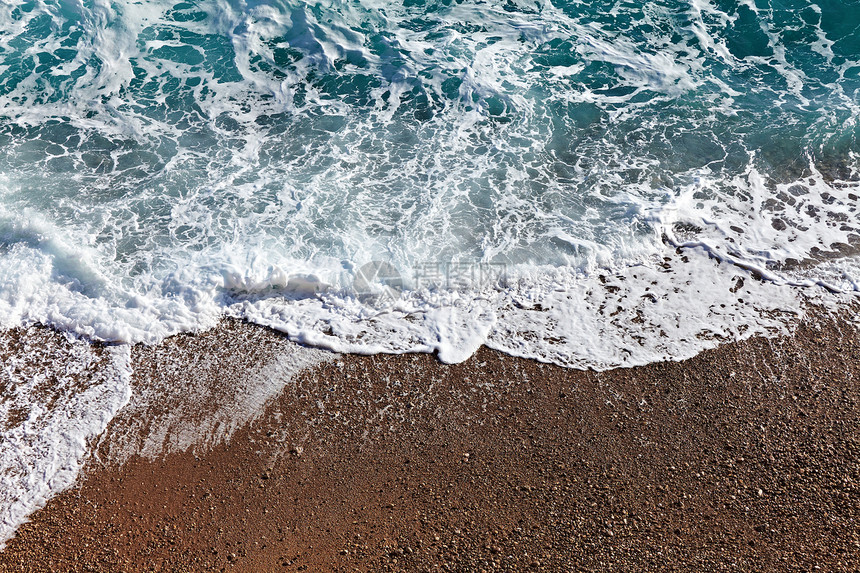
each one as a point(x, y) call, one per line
point(161, 162)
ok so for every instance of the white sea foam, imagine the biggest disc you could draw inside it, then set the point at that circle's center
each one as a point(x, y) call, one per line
point(60, 396)
point(177, 408)
point(43, 282)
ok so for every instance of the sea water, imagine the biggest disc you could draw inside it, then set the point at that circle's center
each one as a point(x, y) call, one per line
point(590, 183)
point(162, 164)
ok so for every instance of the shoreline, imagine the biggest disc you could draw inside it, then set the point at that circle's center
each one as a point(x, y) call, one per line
point(743, 457)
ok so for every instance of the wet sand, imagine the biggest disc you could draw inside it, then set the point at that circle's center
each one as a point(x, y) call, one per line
point(744, 458)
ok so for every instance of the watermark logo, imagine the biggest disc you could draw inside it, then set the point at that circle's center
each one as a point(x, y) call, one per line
point(377, 283)
point(460, 275)
point(380, 283)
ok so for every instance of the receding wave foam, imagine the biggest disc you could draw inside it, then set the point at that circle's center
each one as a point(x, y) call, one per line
point(59, 396)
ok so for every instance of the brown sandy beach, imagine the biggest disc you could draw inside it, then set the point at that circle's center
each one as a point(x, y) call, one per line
point(744, 458)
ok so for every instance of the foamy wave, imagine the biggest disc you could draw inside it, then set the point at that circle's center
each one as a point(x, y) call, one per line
point(59, 399)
